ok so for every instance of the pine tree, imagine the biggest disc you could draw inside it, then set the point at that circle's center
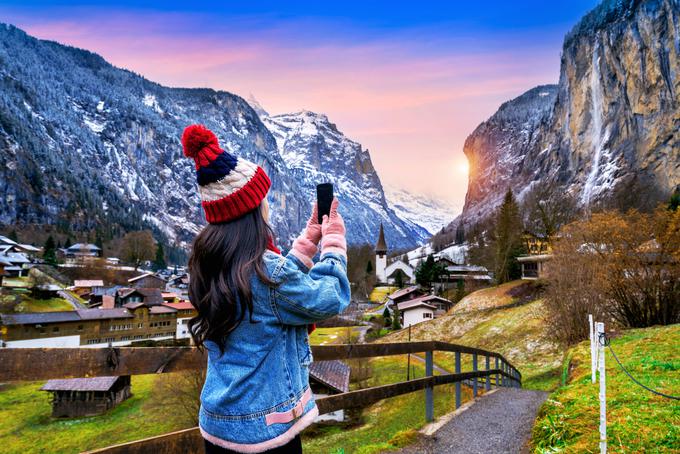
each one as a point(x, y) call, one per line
point(460, 291)
point(396, 323)
point(369, 268)
point(50, 251)
point(13, 236)
point(68, 243)
point(399, 279)
point(159, 261)
point(508, 239)
point(674, 202)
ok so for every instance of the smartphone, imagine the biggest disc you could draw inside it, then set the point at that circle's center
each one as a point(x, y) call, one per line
point(324, 197)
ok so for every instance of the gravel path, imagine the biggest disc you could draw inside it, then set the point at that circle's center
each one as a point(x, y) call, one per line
point(498, 423)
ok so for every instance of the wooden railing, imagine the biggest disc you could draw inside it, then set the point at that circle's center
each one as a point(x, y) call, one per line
point(30, 364)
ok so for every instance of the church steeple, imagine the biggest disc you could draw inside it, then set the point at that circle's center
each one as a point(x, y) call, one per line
point(381, 245)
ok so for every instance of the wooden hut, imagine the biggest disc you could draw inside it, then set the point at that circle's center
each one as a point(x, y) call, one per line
point(77, 397)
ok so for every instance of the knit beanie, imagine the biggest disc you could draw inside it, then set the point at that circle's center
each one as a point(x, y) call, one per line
point(229, 186)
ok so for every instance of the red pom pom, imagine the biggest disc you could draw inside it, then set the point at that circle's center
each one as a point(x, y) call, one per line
point(197, 137)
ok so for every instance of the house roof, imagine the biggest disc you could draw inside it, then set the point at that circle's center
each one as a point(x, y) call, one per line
point(433, 298)
point(334, 374)
point(181, 306)
point(381, 245)
point(406, 305)
point(150, 296)
point(16, 257)
point(102, 314)
point(162, 309)
point(88, 283)
point(5, 240)
point(133, 306)
point(403, 292)
point(80, 384)
point(534, 258)
point(5, 261)
point(101, 291)
point(35, 318)
point(83, 247)
point(136, 278)
point(466, 269)
point(28, 247)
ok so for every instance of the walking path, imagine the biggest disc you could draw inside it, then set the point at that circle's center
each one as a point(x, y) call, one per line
point(499, 422)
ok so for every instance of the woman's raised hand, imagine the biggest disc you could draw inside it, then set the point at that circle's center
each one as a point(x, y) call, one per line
point(306, 245)
point(333, 232)
point(313, 230)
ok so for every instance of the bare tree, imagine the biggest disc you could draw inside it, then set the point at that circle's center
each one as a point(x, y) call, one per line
point(138, 247)
point(180, 394)
point(547, 208)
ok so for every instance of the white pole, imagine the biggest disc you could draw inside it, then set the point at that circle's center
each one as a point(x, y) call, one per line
point(593, 350)
point(603, 390)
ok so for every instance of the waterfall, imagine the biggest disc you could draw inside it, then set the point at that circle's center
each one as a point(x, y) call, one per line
point(596, 118)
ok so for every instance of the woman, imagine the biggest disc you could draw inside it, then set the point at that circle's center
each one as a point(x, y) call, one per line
point(254, 305)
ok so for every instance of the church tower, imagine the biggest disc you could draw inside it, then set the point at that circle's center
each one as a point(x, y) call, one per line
point(381, 257)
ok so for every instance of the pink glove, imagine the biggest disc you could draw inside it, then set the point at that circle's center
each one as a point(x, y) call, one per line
point(305, 246)
point(333, 232)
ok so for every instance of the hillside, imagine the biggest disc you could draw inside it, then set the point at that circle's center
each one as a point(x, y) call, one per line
point(506, 319)
point(89, 146)
point(637, 421)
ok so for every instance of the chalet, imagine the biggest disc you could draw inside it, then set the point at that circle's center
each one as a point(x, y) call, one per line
point(415, 311)
point(83, 288)
point(88, 327)
point(19, 263)
point(104, 296)
point(539, 252)
point(180, 282)
point(82, 251)
point(148, 280)
point(185, 312)
point(328, 378)
point(8, 245)
point(472, 276)
point(78, 397)
point(441, 305)
point(146, 296)
point(404, 294)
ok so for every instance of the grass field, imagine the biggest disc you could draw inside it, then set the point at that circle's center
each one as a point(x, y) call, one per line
point(47, 305)
point(16, 282)
point(379, 294)
point(495, 320)
point(637, 420)
point(339, 335)
point(28, 428)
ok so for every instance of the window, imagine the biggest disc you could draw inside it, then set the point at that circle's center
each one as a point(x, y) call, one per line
point(80, 327)
point(427, 315)
point(55, 329)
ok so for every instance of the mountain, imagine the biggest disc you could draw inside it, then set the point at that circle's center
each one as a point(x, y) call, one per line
point(607, 133)
point(431, 213)
point(86, 145)
point(315, 151)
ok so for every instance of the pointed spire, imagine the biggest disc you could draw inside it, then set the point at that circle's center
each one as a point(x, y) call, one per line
point(381, 246)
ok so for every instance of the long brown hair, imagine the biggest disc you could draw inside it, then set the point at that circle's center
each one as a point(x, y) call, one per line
point(223, 260)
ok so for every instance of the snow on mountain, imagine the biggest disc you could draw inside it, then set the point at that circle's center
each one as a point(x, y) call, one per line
point(315, 151)
point(430, 213)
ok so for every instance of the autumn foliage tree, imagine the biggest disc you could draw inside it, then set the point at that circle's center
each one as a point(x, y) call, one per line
point(619, 267)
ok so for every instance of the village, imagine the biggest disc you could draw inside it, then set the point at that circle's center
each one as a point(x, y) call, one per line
point(153, 309)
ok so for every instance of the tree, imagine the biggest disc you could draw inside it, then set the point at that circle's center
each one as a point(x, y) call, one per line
point(508, 240)
point(138, 247)
point(68, 242)
point(460, 291)
point(396, 323)
point(13, 235)
point(460, 233)
point(386, 313)
point(674, 202)
point(547, 208)
point(50, 251)
point(428, 272)
point(369, 267)
point(159, 261)
point(399, 279)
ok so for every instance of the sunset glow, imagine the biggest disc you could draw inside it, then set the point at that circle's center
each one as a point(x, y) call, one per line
point(410, 86)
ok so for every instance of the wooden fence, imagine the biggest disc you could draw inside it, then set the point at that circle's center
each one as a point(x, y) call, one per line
point(31, 364)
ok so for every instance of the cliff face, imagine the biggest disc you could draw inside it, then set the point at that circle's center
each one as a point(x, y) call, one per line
point(613, 123)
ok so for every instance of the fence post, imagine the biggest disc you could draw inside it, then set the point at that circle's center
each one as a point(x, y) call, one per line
point(487, 380)
point(498, 376)
point(458, 382)
point(429, 398)
point(603, 388)
point(474, 369)
point(593, 346)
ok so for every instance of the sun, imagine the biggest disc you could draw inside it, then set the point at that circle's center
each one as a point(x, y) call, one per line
point(463, 167)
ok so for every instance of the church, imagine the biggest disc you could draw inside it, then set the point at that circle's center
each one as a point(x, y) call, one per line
point(394, 273)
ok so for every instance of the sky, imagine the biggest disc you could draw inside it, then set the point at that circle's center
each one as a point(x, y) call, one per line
point(408, 80)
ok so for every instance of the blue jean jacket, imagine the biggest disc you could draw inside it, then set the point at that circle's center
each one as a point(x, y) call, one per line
point(265, 365)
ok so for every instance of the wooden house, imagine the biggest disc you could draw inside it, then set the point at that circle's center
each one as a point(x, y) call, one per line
point(327, 378)
point(3, 263)
point(404, 294)
point(148, 280)
point(83, 287)
point(78, 397)
point(415, 311)
point(82, 251)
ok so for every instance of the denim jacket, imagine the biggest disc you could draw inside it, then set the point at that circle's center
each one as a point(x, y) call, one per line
point(256, 395)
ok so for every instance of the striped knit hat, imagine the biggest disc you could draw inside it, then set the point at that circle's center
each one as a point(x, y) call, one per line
point(230, 187)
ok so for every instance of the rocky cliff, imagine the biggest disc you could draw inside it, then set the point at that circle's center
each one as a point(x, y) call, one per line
point(610, 126)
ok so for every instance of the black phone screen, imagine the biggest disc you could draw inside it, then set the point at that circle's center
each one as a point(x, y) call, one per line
point(324, 197)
